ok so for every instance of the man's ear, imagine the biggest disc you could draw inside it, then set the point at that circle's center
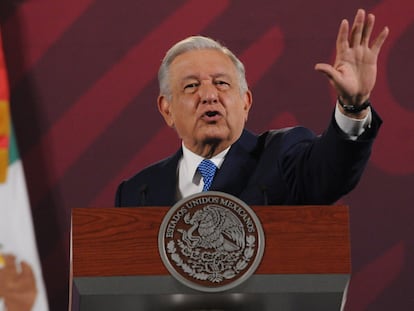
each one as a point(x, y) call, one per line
point(164, 108)
point(248, 101)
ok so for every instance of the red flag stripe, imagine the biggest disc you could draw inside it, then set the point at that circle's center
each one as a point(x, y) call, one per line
point(4, 82)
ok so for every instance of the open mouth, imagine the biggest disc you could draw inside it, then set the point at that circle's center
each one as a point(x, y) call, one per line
point(211, 116)
point(211, 113)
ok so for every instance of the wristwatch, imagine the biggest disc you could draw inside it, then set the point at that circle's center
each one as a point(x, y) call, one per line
point(353, 108)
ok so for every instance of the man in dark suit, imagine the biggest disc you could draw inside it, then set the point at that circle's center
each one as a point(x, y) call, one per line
point(204, 96)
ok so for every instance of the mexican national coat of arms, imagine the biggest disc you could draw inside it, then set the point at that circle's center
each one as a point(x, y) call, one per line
point(211, 241)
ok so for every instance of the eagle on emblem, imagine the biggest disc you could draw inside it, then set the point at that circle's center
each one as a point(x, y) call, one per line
point(214, 227)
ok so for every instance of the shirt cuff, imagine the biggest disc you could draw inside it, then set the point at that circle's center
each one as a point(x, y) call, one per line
point(350, 126)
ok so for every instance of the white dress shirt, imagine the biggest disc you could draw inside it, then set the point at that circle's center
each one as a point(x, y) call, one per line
point(190, 180)
point(352, 127)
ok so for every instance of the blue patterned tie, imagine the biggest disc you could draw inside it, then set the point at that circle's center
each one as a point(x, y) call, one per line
point(207, 170)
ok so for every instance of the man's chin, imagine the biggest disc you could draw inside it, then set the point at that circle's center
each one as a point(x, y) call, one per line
point(212, 140)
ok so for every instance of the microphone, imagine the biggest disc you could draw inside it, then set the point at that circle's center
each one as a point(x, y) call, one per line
point(143, 193)
point(264, 193)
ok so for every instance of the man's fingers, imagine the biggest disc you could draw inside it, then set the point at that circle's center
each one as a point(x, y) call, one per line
point(342, 38)
point(357, 28)
point(326, 69)
point(369, 25)
point(379, 41)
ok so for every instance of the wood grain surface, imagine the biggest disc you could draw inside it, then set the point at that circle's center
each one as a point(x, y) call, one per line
point(124, 241)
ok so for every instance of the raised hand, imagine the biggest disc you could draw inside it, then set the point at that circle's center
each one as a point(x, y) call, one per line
point(355, 69)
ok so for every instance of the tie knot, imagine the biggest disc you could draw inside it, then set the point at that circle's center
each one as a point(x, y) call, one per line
point(207, 169)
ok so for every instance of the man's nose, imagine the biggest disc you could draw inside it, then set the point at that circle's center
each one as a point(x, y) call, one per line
point(208, 93)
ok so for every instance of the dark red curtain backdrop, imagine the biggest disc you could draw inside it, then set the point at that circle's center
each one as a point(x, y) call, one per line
point(83, 99)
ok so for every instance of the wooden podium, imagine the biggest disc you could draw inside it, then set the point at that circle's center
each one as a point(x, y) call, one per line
point(115, 263)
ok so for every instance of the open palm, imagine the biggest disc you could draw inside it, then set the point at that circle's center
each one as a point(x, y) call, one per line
point(355, 69)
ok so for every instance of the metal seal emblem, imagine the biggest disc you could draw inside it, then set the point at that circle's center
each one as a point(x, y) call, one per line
point(211, 241)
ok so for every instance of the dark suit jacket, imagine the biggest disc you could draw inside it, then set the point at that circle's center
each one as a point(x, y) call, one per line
point(287, 166)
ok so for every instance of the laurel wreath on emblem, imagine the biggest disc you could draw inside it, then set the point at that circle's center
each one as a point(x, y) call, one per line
point(215, 246)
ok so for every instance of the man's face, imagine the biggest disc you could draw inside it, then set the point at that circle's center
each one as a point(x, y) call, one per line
point(206, 105)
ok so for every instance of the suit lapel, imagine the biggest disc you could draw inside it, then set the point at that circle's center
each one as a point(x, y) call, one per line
point(238, 166)
point(167, 185)
point(232, 177)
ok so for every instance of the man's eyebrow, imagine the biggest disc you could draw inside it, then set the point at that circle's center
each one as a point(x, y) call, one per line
point(213, 76)
point(221, 75)
point(190, 77)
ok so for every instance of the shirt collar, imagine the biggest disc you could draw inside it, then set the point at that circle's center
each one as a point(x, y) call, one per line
point(191, 160)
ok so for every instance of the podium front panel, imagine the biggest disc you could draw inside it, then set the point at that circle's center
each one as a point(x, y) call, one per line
point(115, 263)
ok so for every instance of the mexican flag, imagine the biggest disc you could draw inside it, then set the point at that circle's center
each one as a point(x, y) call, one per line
point(21, 281)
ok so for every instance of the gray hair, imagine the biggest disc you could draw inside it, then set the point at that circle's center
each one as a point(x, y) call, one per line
point(196, 43)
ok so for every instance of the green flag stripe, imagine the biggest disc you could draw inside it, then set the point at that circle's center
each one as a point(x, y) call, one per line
point(13, 151)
